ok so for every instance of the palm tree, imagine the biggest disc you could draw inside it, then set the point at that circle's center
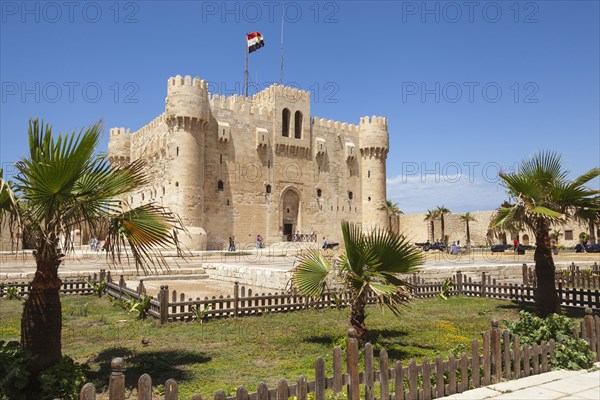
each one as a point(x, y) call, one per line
point(466, 218)
point(370, 264)
point(556, 234)
point(430, 217)
point(441, 210)
point(392, 210)
point(63, 185)
point(544, 197)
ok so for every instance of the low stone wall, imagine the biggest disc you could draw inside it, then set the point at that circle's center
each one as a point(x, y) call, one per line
point(267, 277)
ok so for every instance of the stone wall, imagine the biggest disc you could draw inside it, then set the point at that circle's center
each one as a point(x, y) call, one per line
point(229, 167)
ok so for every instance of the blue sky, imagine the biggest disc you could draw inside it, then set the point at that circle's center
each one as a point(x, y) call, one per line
point(468, 88)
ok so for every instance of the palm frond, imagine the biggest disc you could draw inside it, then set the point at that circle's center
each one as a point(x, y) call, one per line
point(145, 230)
point(310, 276)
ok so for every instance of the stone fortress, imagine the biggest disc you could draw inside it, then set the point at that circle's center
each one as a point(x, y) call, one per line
point(243, 166)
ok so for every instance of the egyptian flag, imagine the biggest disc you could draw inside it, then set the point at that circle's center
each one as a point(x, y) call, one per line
point(255, 41)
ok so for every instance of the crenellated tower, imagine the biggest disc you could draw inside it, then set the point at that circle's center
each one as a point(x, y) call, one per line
point(374, 146)
point(119, 147)
point(187, 113)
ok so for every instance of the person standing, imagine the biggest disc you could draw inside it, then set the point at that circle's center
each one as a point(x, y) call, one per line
point(516, 243)
point(231, 244)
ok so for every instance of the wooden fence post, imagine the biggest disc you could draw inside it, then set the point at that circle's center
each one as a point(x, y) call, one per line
point(171, 390)
point(145, 387)
point(236, 299)
point(116, 383)
point(483, 282)
point(590, 329)
point(88, 392)
point(459, 279)
point(320, 379)
point(495, 339)
point(164, 304)
point(353, 387)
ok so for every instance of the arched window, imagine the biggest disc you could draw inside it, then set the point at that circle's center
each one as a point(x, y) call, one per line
point(298, 125)
point(319, 192)
point(176, 184)
point(350, 195)
point(268, 189)
point(220, 185)
point(285, 122)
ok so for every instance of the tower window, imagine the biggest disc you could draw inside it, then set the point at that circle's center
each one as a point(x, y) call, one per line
point(268, 189)
point(227, 201)
point(319, 192)
point(298, 125)
point(350, 195)
point(369, 198)
point(176, 184)
point(142, 196)
point(221, 159)
point(369, 174)
point(220, 185)
point(177, 151)
point(285, 122)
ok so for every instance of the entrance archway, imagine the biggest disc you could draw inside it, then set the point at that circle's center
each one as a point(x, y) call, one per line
point(290, 213)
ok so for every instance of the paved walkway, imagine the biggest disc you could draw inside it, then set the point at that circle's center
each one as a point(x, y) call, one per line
point(564, 385)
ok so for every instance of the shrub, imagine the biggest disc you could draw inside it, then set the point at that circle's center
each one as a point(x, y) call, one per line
point(570, 353)
point(13, 373)
point(63, 380)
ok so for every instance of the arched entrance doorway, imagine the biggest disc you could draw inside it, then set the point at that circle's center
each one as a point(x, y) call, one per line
point(290, 213)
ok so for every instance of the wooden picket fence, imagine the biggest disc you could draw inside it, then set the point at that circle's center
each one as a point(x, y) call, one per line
point(498, 357)
point(173, 306)
point(78, 286)
point(571, 277)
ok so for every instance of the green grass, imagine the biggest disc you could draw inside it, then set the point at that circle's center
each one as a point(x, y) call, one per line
point(223, 354)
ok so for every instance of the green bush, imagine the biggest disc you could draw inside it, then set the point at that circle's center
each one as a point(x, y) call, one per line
point(570, 353)
point(63, 380)
point(13, 373)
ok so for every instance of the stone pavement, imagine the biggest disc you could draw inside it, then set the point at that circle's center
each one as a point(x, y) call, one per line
point(564, 385)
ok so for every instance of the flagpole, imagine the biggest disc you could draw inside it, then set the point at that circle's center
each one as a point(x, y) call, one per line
point(281, 71)
point(246, 43)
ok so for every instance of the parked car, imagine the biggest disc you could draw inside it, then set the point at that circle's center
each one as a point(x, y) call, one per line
point(593, 248)
point(435, 246)
point(499, 248)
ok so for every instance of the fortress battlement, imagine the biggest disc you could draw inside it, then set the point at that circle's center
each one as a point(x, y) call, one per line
point(116, 132)
point(290, 93)
point(143, 131)
point(239, 104)
point(187, 81)
point(374, 120)
point(337, 125)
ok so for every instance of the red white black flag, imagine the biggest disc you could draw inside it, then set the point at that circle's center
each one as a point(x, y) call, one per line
point(255, 41)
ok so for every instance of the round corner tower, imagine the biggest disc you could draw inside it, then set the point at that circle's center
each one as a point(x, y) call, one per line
point(374, 146)
point(119, 147)
point(187, 113)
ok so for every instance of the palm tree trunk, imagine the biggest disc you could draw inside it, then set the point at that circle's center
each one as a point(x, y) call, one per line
point(41, 322)
point(432, 232)
point(443, 230)
point(592, 233)
point(468, 238)
point(546, 296)
point(357, 318)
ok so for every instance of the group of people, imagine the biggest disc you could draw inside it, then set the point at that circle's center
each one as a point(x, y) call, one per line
point(259, 243)
point(95, 244)
point(455, 247)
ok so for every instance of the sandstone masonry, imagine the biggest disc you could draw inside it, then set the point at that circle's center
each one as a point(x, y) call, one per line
point(241, 166)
